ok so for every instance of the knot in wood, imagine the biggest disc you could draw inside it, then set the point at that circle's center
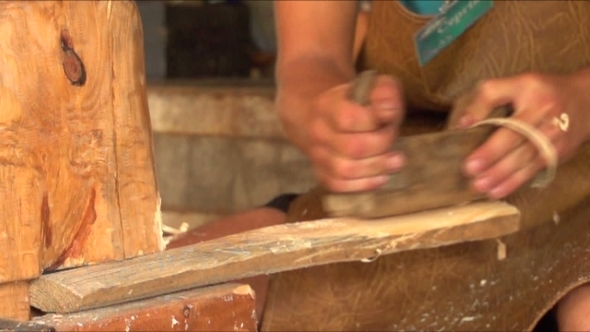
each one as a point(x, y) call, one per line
point(72, 64)
point(186, 312)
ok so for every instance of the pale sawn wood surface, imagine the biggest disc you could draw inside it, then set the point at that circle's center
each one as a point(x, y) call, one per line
point(268, 250)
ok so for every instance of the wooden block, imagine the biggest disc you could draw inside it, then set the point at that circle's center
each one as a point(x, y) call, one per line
point(14, 304)
point(432, 178)
point(77, 167)
point(228, 307)
point(268, 250)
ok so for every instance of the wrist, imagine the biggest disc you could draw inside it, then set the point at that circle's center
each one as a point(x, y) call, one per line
point(582, 77)
point(581, 83)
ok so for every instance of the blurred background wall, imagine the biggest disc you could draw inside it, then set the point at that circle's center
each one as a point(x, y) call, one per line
point(218, 143)
point(205, 39)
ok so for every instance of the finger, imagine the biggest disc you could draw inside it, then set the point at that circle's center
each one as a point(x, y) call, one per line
point(516, 160)
point(363, 145)
point(335, 184)
point(459, 110)
point(477, 104)
point(472, 107)
point(558, 137)
point(387, 100)
point(501, 143)
point(349, 169)
point(516, 180)
point(345, 116)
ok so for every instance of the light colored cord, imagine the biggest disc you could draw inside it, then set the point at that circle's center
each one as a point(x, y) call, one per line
point(541, 142)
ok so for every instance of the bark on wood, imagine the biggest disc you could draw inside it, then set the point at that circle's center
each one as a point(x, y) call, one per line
point(14, 301)
point(268, 250)
point(77, 184)
point(228, 307)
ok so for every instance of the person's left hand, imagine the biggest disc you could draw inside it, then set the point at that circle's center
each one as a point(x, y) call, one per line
point(555, 105)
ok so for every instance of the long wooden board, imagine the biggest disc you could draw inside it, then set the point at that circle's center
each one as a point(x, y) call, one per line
point(227, 307)
point(432, 178)
point(268, 250)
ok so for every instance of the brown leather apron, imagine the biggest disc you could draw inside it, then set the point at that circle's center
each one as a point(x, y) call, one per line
point(514, 37)
point(464, 286)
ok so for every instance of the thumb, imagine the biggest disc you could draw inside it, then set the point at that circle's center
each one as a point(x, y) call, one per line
point(379, 93)
point(483, 102)
point(387, 100)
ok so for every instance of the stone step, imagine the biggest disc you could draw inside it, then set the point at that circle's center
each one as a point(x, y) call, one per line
point(230, 108)
point(223, 175)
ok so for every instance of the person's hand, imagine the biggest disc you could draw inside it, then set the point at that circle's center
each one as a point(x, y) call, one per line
point(350, 145)
point(557, 106)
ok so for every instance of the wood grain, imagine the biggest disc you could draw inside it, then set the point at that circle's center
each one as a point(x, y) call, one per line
point(268, 250)
point(432, 177)
point(73, 108)
point(227, 307)
point(15, 301)
point(139, 200)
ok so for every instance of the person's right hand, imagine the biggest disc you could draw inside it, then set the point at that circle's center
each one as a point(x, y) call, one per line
point(350, 145)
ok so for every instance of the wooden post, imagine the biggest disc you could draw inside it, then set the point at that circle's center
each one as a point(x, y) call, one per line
point(14, 302)
point(77, 184)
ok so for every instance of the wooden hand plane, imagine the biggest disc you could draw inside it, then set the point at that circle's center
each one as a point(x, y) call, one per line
point(432, 177)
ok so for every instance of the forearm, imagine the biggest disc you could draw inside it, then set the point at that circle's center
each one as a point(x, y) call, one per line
point(581, 83)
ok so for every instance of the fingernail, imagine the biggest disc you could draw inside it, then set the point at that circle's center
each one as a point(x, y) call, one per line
point(495, 193)
point(395, 162)
point(466, 121)
point(380, 180)
point(482, 184)
point(474, 166)
point(386, 105)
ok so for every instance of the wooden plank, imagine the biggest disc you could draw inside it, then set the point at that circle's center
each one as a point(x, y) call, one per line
point(268, 250)
point(65, 198)
point(432, 178)
point(15, 301)
point(228, 307)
